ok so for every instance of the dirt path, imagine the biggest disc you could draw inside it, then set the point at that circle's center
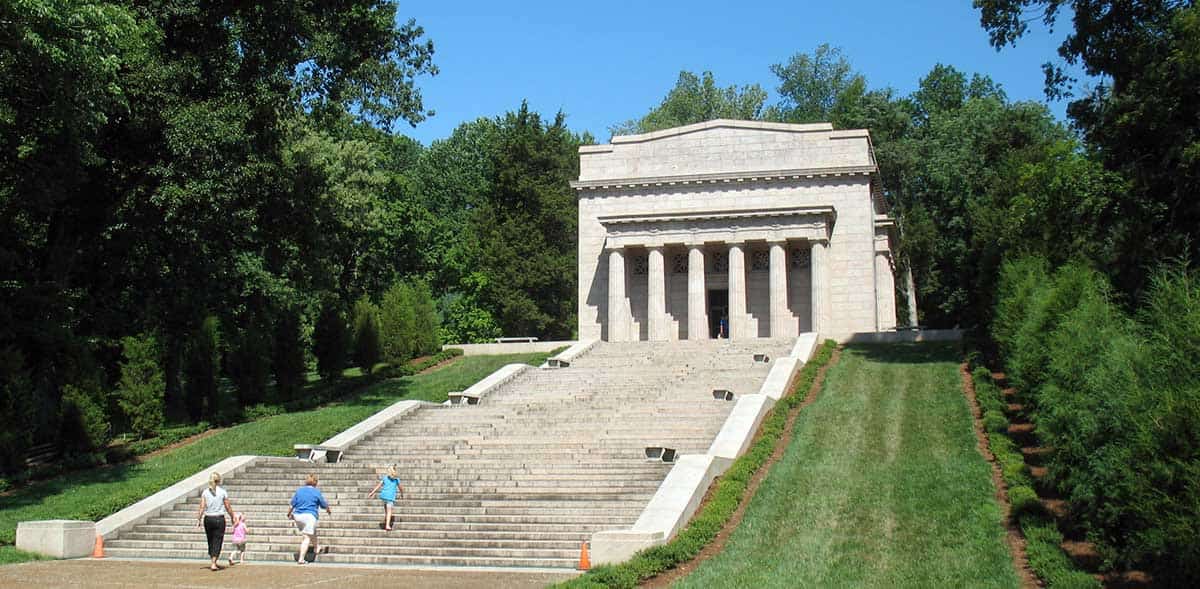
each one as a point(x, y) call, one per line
point(181, 443)
point(1012, 536)
point(189, 573)
point(439, 365)
point(718, 544)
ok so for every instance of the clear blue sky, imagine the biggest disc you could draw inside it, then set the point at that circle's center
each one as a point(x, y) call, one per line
point(609, 61)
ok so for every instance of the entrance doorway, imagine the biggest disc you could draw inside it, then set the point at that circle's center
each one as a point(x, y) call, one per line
point(718, 309)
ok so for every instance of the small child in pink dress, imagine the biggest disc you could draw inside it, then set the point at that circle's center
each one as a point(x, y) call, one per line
point(239, 538)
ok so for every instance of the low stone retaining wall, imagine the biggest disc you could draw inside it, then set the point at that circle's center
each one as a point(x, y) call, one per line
point(338, 444)
point(491, 382)
point(567, 356)
point(508, 348)
point(906, 336)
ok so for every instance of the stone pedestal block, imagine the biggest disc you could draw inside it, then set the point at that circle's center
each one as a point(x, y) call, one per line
point(57, 538)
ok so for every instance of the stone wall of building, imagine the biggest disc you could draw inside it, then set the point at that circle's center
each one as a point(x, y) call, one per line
point(675, 173)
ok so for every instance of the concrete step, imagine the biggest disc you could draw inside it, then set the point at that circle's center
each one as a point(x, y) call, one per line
point(261, 533)
point(351, 558)
point(520, 479)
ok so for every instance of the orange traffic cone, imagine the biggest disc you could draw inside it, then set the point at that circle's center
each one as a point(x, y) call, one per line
point(98, 551)
point(584, 562)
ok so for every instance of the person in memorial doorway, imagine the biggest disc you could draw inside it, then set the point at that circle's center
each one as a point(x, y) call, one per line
point(723, 327)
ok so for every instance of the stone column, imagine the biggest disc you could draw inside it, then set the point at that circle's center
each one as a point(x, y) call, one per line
point(618, 327)
point(780, 316)
point(737, 291)
point(697, 314)
point(656, 295)
point(817, 271)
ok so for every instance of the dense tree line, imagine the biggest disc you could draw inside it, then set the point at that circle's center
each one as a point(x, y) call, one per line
point(1117, 398)
point(970, 174)
point(199, 203)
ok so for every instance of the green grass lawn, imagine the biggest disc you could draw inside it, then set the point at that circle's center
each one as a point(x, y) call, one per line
point(880, 487)
point(96, 493)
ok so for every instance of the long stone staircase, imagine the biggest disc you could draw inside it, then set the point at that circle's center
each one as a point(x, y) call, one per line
point(519, 480)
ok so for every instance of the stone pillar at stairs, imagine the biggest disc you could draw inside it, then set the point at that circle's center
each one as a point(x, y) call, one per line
point(618, 324)
point(781, 318)
point(656, 295)
point(737, 291)
point(697, 314)
point(820, 251)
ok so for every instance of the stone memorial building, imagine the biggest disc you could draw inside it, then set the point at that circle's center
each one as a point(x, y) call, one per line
point(755, 229)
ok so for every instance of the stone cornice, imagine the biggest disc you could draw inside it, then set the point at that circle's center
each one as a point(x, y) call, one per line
point(715, 124)
point(714, 215)
point(697, 227)
point(721, 178)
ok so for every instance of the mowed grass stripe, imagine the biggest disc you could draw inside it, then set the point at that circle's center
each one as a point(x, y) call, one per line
point(96, 493)
point(881, 486)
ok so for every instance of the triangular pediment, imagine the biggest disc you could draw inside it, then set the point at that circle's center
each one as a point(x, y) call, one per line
point(726, 149)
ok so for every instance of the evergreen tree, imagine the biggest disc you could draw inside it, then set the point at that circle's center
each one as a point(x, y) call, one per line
point(289, 360)
point(367, 350)
point(202, 369)
point(141, 389)
point(331, 340)
point(16, 405)
point(248, 363)
point(397, 324)
point(525, 230)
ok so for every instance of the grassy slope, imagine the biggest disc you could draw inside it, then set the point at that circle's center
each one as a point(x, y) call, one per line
point(96, 493)
point(881, 486)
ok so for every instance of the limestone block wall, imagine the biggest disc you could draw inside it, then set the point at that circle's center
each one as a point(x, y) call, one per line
point(851, 274)
point(730, 167)
point(716, 147)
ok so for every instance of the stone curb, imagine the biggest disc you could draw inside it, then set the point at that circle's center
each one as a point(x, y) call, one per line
point(509, 348)
point(564, 358)
point(369, 425)
point(491, 382)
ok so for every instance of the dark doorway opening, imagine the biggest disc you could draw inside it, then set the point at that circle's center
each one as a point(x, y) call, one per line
point(718, 313)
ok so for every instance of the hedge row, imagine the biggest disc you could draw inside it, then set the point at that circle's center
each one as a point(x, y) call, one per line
point(1043, 540)
point(730, 491)
point(1117, 397)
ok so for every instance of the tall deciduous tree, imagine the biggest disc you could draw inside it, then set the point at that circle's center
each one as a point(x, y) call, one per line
point(695, 99)
point(149, 167)
point(1141, 116)
point(816, 88)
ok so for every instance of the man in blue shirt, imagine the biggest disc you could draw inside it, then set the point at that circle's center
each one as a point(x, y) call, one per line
point(303, 511)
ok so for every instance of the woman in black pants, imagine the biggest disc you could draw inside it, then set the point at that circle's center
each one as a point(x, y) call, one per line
point(214, 507)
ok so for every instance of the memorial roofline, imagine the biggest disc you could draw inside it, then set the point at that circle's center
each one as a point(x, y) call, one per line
point(724, 177)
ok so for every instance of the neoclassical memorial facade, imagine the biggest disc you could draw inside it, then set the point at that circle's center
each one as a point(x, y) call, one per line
point(760, 229)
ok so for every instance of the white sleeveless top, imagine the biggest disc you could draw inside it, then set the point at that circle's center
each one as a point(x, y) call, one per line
point(214, 503)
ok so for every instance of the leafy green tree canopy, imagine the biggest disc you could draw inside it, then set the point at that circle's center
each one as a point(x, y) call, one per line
point(695, 99)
